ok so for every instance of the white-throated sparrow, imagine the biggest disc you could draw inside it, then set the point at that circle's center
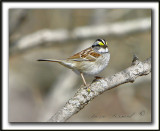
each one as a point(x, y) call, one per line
point(90, 61)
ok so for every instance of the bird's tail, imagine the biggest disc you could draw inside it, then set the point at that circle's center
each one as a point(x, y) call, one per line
point(62, 62)
point(48, 60)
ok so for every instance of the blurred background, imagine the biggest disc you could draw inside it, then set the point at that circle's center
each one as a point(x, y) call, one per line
point(37, 90)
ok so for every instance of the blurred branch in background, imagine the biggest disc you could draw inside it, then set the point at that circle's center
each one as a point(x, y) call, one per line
point(42, 37)
point(83, 97)
point(16, 18)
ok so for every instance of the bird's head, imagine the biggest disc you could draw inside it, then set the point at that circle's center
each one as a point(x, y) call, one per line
point(100, 45)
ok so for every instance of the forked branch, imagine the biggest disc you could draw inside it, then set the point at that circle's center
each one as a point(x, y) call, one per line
point(82, 97)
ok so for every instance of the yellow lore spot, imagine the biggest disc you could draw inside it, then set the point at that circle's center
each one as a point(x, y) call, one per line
point(100, 43)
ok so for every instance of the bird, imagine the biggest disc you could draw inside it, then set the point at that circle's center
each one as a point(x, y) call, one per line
point(90, 61)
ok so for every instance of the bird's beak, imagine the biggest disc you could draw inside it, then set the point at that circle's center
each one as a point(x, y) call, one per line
point(106, 46)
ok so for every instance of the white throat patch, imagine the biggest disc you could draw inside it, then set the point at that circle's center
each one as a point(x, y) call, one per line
point(102, 50)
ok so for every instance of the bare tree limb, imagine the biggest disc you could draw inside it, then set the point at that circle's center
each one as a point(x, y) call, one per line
point(83, 97)
point(44, 36)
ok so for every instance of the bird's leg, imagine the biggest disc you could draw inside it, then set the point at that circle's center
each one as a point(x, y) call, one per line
point(84, 81)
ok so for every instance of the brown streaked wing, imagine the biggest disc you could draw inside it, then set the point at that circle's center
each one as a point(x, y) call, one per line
point(94, 54)
point(90, 58)
point(75, 56)
point(83, 55)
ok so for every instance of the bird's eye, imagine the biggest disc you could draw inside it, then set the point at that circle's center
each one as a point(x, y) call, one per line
point(93, 46)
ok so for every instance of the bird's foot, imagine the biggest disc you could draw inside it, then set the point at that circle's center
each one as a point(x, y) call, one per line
point(87, 87)
point(97, 78)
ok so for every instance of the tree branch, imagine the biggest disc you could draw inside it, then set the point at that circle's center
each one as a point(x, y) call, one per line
point(98, 86)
